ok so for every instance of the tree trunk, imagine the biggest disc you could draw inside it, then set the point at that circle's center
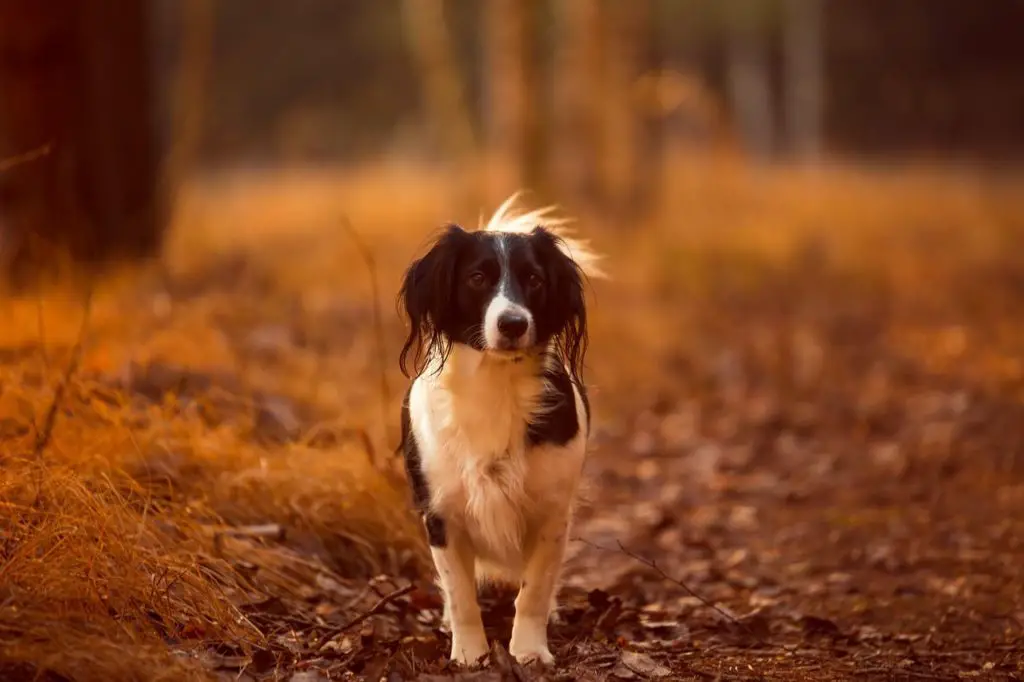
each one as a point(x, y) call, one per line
point(631, 136)
point(579, 100)
point(750, 90)
point(619, 136)
point(804, 78)
point(647, 176)
point(442, 84)
point(187, 101)
point(76, 76)
point(513, 114)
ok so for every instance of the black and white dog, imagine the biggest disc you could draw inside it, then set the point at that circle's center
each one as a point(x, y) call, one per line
point(495, 423)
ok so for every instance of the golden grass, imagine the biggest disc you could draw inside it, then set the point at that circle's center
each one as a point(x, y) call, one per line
point(109, 568)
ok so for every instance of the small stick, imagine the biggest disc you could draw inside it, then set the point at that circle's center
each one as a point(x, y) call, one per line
point(378, 322)
point(665, 576)
point(45, 432)
point(266, 531)
point(375, 610)
point(270, 531)
point(15, 161)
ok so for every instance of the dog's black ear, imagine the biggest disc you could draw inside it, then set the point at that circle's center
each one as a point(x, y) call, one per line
point(566, 302)
point(425, 298)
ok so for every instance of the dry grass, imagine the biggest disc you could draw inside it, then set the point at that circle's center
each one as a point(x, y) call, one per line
point(260, 322)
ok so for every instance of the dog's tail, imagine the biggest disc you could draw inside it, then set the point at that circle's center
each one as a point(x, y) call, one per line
point(508, 219)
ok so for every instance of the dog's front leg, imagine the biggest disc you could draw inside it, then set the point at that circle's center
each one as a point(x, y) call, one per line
point(536, 595)
point(455, 563)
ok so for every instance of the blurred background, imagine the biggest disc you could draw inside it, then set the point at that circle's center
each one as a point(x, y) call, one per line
point(807, 367)
point(584, 102)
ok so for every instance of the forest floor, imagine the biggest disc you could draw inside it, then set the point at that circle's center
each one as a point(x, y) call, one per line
point(807, 464)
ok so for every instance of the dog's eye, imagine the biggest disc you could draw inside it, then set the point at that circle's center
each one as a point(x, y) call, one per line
point(534, 282)
point(477, 280)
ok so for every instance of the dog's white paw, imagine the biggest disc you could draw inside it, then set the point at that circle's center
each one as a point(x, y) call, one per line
point(530, 641)
point(468, 649)
point(525, 656)
point(446, 619)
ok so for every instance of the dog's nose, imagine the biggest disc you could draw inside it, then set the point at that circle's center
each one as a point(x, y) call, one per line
point(513, 325)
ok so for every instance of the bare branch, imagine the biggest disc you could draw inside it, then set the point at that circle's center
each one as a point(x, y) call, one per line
point(375, 610)
point(378, 322)
point(45, 432)
point(27, 157)
point(665, 576)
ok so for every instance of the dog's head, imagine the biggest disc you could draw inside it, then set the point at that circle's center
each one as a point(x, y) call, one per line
point(503, 293)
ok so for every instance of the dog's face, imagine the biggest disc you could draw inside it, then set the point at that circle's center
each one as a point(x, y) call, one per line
point(500, 293)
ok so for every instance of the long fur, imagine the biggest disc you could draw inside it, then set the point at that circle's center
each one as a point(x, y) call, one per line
point(507, 218)
point(432, 273)
point(494, 440)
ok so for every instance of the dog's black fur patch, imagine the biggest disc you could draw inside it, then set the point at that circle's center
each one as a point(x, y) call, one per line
point(437, 532)
point(445, 294)
point(557, 423)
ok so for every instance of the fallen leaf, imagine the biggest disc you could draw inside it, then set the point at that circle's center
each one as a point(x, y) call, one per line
point(642, 664)
point(621, 672)
point(814, 625)
point(308, 676)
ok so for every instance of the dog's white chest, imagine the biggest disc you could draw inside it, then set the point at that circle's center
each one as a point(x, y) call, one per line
point(474, 454)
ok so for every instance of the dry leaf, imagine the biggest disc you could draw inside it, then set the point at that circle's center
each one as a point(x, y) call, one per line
point(643, 664)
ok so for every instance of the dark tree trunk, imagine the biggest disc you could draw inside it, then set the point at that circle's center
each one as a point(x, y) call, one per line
point(513, 116)
point(804, 78)
point(579, 102)
point(76, 77)
point(647, 176)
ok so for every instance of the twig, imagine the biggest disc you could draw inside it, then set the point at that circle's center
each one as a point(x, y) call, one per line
point(41, 325)
point(45, 432)
point(266, 531)
point(272, 531)
point(378, 322)
point(375, 610)
point(894, 671)
point(15, 161)
point(675, 581)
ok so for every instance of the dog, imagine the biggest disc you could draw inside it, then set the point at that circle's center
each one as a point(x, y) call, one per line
point(496, 419)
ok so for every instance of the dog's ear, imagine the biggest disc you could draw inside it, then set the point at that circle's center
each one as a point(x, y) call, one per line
point(566, 301)
point(426, 298)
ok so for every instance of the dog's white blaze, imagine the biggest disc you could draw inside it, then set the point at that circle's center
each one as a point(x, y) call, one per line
point(501, 303)
point(498, 306)
point(507, 508)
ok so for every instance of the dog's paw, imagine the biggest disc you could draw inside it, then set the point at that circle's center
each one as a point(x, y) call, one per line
point(540, 654)
point(530, 641)
point(469, 650)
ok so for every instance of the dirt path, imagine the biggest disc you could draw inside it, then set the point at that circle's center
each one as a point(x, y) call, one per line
point(802, 469)
point(839, 508)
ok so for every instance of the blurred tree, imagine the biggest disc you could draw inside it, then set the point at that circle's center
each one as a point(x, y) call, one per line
point(608, 146)
point(804, 78)
point(513, 102)
point(579, 99)
point(632, 139)
point(76, 76)
point(442, 85)
point(936, 77)
point(747, 24)
point(621, 69)
point(188, 106)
